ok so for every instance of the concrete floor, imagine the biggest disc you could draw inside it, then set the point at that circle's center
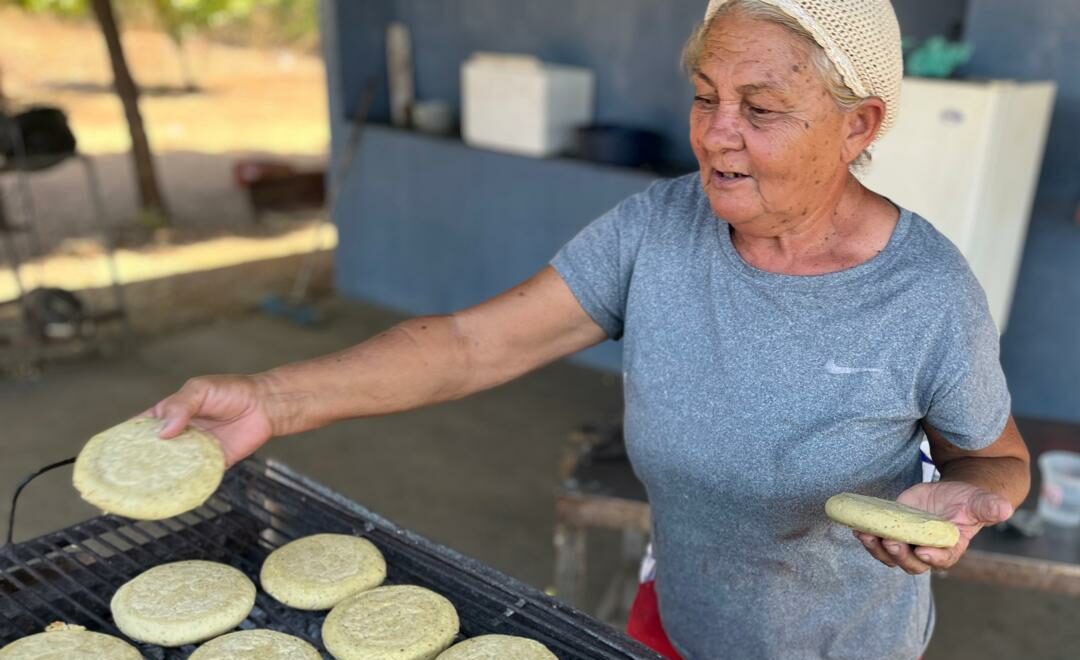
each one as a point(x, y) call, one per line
point(477, 475)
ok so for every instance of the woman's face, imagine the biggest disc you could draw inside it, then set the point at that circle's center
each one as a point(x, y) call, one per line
point(768, 137)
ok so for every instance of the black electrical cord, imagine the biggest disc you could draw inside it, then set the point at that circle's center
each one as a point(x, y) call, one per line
point(23, 484)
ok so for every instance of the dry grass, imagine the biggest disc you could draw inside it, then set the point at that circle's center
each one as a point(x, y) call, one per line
point(269, 102)
point(82, 264)
point(250, 100)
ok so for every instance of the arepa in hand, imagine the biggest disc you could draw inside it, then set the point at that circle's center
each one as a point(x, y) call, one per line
point(130, 471)
point(892, 520)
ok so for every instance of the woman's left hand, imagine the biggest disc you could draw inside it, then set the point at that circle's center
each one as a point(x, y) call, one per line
point(968, 507)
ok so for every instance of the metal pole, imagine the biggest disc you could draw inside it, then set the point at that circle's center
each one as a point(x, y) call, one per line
point(93, 182)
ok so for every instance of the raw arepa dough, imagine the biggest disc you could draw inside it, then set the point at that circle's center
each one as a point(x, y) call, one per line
point(402, 622)
point(64, 642)
point(256, 645)
point(130, 471)
point(497, 647)
point(319, 571)
point(892, 520)
point(183, 602)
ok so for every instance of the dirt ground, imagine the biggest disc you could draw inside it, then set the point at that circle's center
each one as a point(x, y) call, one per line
point(251, 104)
point(478, 474)
point(250, 100)
point(274, 103)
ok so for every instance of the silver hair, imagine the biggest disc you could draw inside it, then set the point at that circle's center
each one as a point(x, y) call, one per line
point(842, 95)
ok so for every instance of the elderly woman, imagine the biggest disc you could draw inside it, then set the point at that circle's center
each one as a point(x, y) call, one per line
point(788, 334)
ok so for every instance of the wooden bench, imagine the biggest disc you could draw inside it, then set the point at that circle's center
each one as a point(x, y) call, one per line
point(599, 491)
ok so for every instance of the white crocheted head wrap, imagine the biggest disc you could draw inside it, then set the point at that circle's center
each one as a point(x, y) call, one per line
point(860, 37)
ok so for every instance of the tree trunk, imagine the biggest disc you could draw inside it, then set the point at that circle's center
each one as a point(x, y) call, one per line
point(153, 204)
point(174, 27)
point(185, 66)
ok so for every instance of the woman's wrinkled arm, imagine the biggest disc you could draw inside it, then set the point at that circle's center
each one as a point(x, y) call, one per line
point(1003, 468)
point(419, 362)
point(977, 488)
point(433, 359)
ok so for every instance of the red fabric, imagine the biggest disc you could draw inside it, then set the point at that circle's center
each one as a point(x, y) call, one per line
point(644, 624)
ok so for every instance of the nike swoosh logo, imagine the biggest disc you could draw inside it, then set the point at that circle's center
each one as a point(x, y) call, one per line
point(833, 368)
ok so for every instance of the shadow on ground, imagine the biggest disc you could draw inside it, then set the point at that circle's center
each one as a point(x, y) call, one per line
point(199, 188)
point(478, 474)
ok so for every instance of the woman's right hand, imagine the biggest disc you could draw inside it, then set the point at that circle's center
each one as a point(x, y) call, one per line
point(231, 408)
point(416, 363)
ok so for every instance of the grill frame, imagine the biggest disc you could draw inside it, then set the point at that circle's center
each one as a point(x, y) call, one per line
point(70, 575)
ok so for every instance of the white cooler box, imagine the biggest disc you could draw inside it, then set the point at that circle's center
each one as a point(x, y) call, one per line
point(518, 104)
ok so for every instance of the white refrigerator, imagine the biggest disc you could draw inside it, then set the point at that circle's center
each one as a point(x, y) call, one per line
point(966, 156)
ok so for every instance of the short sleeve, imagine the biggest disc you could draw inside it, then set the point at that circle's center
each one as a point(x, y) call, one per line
point(970, 402)
point(598, 263)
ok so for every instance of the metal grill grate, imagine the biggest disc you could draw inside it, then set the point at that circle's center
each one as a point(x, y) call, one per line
point(70, 575)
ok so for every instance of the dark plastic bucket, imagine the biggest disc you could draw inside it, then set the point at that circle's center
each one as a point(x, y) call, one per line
point(618, 145)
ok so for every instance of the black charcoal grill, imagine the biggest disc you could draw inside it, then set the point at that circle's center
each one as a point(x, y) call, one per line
point(71, 575)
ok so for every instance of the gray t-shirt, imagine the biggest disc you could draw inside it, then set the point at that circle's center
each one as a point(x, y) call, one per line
point(751, 397)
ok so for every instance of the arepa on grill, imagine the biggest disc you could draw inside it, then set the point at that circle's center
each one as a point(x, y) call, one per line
point(497, 647)
point(130, 471)
point(319, 571)
point(70, 643)
point(401, 622)
point(183, 602)
point(256, 645)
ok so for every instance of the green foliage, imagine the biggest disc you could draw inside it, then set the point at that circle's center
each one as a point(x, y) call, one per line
point(65, 8)
point(938, 57)
point(178, 13)
point(296, 19)
point(270, 22)
point(181, 16)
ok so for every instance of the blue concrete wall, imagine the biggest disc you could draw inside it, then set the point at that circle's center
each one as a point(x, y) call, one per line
point(1036, 40)
point(1040, 40)
point(633, 46)
point(428, 225)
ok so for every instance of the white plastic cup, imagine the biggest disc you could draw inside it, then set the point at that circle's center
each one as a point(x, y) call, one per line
point(1059, 498)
